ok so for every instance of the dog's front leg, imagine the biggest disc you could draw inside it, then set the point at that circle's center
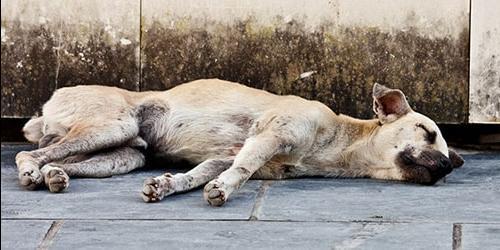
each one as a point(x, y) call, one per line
point(155, 189)
point(254, 154)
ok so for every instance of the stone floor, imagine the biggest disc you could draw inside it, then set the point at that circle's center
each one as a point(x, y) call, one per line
point(461, 213)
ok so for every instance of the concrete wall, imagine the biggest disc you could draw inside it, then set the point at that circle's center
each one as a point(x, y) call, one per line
point(422, 48)
point(485, 61)
point(48, 44)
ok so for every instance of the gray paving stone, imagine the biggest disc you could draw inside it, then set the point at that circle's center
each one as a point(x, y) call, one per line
point(481, 236)
point(9, 152)
point(109, 213)
point(249, 235)
point(23, 234)
point(403, 236)
point(470, 194)
point(117, 197)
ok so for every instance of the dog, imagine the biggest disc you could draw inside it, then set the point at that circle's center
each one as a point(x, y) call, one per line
point(232, 133)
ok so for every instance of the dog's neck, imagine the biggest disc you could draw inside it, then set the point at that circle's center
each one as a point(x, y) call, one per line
point(359, 134)
point(348, 148)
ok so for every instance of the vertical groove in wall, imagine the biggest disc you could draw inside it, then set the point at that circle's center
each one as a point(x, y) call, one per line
point(140, 45)
point(58, 58)
point(467, 112)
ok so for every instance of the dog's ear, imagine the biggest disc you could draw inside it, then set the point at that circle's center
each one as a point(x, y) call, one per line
point(456, 160)
point(389, 104)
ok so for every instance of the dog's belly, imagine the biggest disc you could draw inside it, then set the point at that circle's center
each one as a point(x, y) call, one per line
point(197, 123)
point(196, 151)
point(197, 137)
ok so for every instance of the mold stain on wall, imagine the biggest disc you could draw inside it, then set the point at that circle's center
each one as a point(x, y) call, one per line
point(336, 68)
point(37, 59)
point(27, 64)
point(49, 44)
point(335, 61)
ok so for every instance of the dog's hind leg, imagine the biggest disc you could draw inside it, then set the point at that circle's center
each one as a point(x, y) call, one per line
point(80, 139)
point(156, 188)
point(33, 129)
point(37, 131)
point(103, 164)
point(52, 133)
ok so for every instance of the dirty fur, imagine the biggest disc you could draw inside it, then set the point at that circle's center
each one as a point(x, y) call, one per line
point(232, 133)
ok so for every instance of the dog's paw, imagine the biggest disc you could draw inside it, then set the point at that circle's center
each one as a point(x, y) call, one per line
point(155, 189)
point(214, 193)
point(30, 178)
point(56, 180)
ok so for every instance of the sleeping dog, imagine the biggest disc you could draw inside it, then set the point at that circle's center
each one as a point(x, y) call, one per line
point(231, 133)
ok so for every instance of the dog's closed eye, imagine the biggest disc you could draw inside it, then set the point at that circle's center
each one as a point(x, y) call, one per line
point(430, 136)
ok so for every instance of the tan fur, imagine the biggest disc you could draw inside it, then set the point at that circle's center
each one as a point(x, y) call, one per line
point(231, 131)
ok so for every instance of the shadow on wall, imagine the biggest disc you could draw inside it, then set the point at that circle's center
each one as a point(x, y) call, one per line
point(433, 72)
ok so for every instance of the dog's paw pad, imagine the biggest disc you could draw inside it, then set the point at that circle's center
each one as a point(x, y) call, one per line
point(30, 179)
point(57, 180)
point(155, 189)
point(213, 194)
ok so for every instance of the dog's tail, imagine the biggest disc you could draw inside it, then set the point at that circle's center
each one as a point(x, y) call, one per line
point(33, 129)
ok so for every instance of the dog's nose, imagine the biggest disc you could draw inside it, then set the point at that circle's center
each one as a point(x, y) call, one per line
point(431, 158)
point(442, 165)
point(444, 161)
point(436, 163)
point(456, 160)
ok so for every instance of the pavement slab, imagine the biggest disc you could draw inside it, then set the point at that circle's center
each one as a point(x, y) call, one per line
point(314, 213)
point(470, 194)
point(480, 236)
point(117, 197)
point(23, 234)
point(248, 235)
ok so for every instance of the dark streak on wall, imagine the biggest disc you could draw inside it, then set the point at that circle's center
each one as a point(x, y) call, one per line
point(433, 72)
point(104, 62)
point(30, 63)
point(28, 78)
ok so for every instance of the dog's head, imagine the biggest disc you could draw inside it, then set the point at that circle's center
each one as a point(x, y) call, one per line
point(409, 140)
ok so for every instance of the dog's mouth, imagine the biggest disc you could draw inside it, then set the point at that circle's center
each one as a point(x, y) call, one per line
point(426, 168)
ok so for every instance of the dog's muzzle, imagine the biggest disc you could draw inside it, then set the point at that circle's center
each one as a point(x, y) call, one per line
point(427, 168)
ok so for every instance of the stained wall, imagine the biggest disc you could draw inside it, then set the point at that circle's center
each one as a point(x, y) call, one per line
point(332, 51)
point(348, 45)
point(48, 44)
